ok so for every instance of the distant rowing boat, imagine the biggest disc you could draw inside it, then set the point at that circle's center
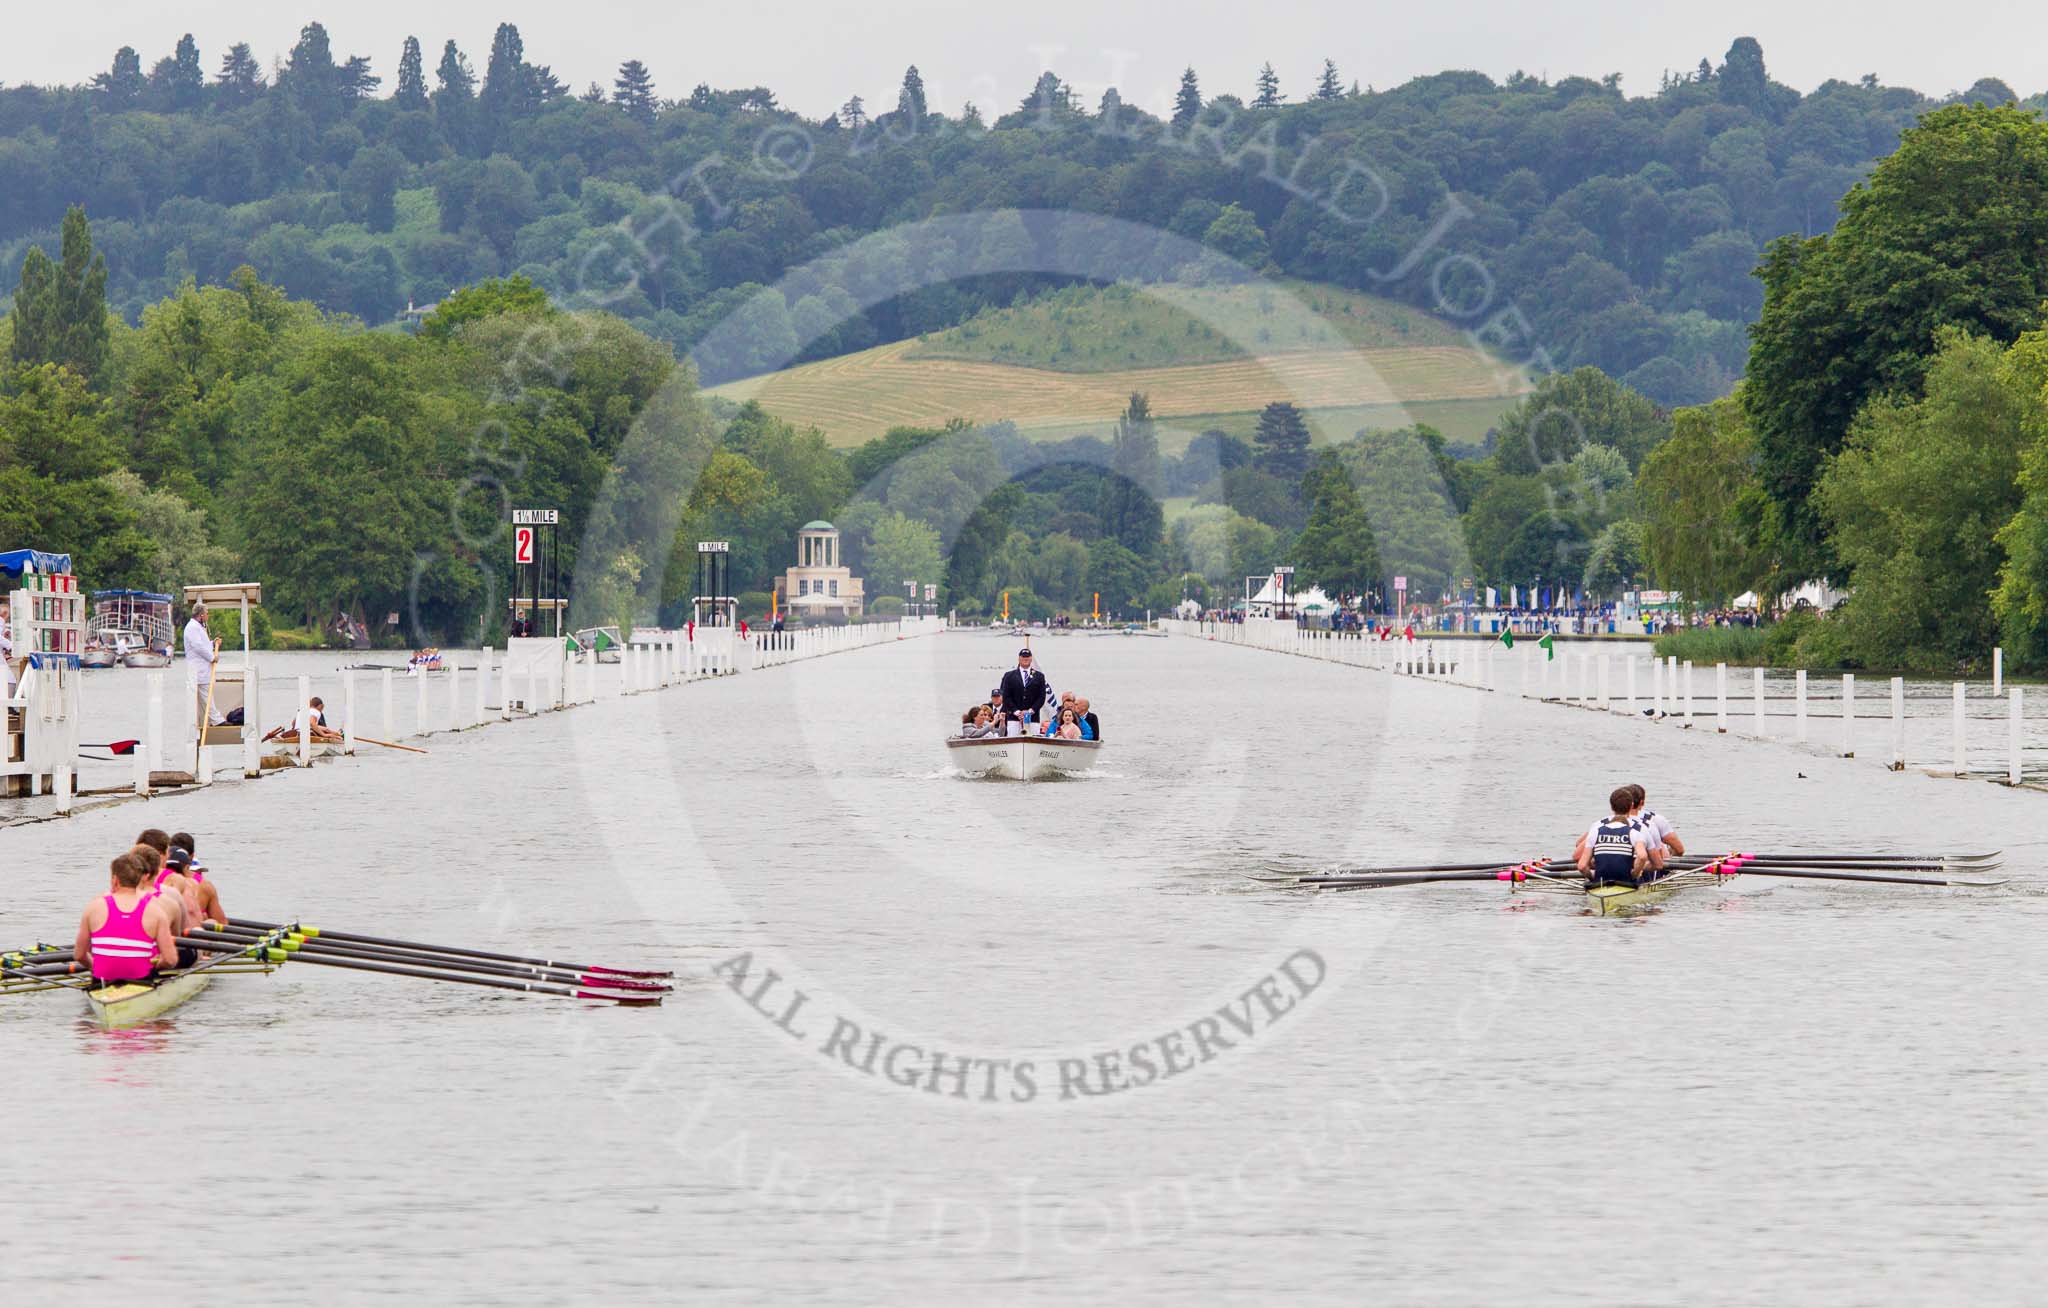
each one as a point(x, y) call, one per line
point(1558, 876)
point(1021, 758)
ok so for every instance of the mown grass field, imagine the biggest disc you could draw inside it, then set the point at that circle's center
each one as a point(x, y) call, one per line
point(1330, 354)
point(1095, 329)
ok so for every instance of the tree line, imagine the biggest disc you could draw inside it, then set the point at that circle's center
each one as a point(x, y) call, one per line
point(1624, 228)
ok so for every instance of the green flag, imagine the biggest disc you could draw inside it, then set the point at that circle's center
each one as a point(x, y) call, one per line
point(1507, 637)
point(1544, 645)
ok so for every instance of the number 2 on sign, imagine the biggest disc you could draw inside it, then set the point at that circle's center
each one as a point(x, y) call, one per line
point(522, 544)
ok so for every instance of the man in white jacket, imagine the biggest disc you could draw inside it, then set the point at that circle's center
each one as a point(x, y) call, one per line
point(200, 656)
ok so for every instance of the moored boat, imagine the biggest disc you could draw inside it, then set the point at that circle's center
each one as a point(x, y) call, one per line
point(1021, 758)
point(98, 656)
point(134, 626)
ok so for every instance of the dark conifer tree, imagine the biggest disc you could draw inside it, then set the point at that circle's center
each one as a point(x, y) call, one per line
point(910, 100)
point(241, 77)
point(121, 86)
point(1269, 96)
point(60, 309)
point(508, 86)
point(1282, 439)
point(412, 77)
point(184, 81)
point(1327, 86)
point(633, 91)
point(1187, 102)
point(454, 79)
point(355, 80)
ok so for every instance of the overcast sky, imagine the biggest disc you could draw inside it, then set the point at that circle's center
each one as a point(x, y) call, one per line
point(815, 54)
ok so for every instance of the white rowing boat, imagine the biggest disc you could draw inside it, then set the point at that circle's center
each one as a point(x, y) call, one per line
point(1021, 758)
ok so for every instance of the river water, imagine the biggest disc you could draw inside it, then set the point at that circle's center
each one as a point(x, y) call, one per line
point(1053, 1043)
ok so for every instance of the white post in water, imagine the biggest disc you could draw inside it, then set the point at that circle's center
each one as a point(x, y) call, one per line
point(2012, 735)
point(1632, 685)
point(419, 696)
point(389, 717)
point(61, 778)
point(1688, 692)
point(1799, 711)
point(1998, 670)
point(1756, 686)
point(142, 769)
point(1962, 746)
point(1898, 724)
point(483, 681)
point(306, 736)
point(153, 754)
point(348, 711)
point(454, 694)
point(1606, 685)
point(1721, 698)
point(1848, 715)
point(1657, 687)
point(252, 712)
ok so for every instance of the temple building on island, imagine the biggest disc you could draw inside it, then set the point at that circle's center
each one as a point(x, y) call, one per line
point(819, 586)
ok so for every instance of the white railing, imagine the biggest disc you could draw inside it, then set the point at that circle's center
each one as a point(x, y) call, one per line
point(1461, 661)
point(528, 679)
point(769, 649)
point(1648, 688)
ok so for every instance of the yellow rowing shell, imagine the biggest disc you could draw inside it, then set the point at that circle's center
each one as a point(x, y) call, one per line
point(1606, 899)
point(138, 1001)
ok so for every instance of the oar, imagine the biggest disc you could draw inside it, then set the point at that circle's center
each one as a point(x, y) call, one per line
point(1491, 872)
point(1418, 867)
point(1827, 860)
point(296, 943)
point(1836, 874)
point(116, 747)
point(371, 740)
point(356, 938)
point(36, 953)
point(277, 955)
point(1511, 875)
point(1746, 860)
point(1676, 860)
point(40, 980)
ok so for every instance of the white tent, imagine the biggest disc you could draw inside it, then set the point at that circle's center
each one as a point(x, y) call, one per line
point(1312, 600)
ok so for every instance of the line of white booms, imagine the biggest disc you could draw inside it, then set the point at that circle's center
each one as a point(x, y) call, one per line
point(532, 676)
point(1585, 679)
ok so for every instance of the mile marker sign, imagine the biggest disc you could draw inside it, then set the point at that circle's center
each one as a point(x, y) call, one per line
point(522, 544)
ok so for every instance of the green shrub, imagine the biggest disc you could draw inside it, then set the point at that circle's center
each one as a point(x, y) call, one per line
point(1801, 639)
point(1741, 646)
point(225, 625)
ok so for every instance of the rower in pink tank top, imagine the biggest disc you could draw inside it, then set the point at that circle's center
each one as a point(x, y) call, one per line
point(185, 895)
point(122, 949)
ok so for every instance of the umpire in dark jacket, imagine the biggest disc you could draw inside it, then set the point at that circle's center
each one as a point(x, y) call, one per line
point(1024, 688)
